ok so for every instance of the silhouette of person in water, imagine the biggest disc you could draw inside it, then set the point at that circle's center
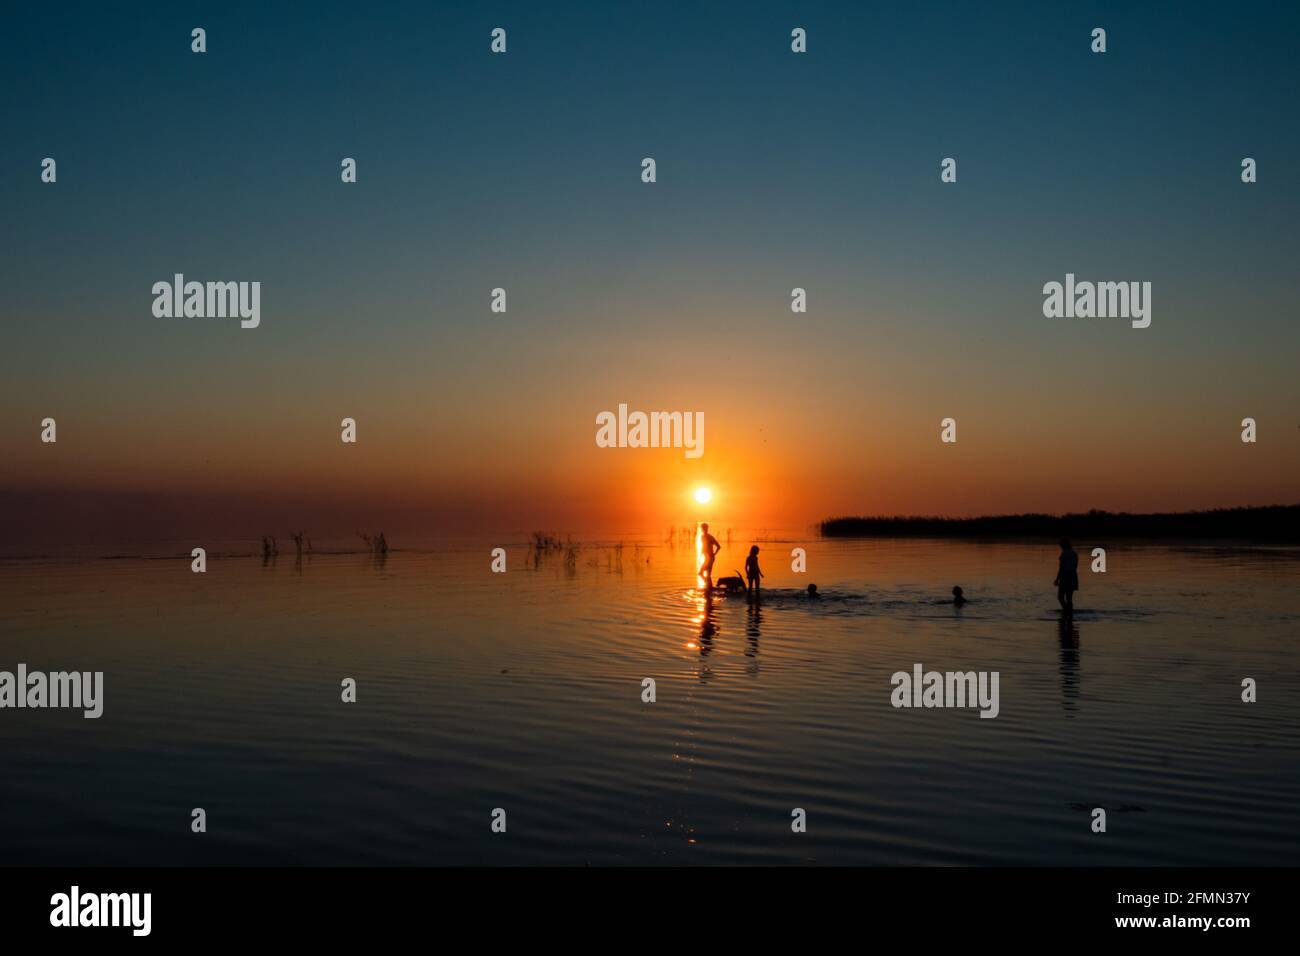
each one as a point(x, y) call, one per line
point(812, 591)
point(957, 597)
point(752, 574)
point(1067, 576)
point(707, 549)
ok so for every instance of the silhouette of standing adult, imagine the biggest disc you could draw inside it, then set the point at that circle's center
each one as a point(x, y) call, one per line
point(1067, 576)
point(707, 550)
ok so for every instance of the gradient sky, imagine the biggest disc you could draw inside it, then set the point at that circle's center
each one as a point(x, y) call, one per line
point(523, 171)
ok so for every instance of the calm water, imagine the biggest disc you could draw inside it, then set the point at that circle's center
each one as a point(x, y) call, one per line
point(523, 691)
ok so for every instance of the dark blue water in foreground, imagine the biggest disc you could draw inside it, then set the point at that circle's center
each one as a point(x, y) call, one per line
point(523, 691)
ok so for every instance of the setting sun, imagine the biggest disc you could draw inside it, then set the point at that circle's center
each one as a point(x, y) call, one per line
point(703, 495)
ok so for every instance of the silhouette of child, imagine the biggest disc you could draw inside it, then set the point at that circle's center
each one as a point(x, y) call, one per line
point(957, 597)
point(752, 573)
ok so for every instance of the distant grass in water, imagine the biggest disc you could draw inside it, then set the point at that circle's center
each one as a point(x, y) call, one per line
point(1269, 523)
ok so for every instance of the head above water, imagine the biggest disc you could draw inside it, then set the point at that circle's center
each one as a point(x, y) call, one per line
point(956, 591)
point(812, 590)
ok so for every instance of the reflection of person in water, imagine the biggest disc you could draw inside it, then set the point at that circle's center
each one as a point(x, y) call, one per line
point(1067, 576)
point(706, 549)
point(708, 627)
point(708, 630)
point(1070, 679)
point(753, 626)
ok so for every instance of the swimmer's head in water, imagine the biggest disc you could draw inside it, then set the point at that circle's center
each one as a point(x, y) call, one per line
point(956, 591)
point(812, 590)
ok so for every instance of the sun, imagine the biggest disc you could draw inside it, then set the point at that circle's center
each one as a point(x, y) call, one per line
point(703, 495)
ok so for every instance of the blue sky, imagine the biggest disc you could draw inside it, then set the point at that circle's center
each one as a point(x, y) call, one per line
point(522, 171)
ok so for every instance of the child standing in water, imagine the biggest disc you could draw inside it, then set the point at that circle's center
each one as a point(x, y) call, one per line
point(752, 573)
point(1067, 576)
